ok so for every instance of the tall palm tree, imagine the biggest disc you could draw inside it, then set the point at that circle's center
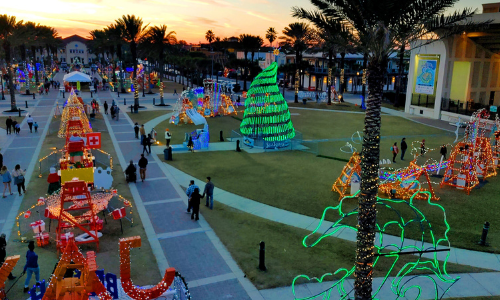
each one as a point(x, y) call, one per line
point(133, 33)
point(210, 36)
point(98, 43)
point(377, 24)
point(257, 42)
point(271, 35)
point(8, 26)
point(114, 36)
point(157, 38)
point(245, 43)
point(297, 37)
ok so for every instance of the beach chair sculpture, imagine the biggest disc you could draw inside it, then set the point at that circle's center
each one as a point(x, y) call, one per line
point(404, 184)
point(349, 180)
point(472, 158)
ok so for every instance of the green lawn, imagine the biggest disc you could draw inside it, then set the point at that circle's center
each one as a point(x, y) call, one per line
point(146, 115)
point(285, 255)
point(301, 182)
point(108, 255)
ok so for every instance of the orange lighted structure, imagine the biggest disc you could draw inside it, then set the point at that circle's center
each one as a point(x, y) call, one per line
point(76, 192)
point(227, 105)
point(127, 285)
point(352, 169)
point(70, 288)
point(406, 184)
point(74, 110)
point(471, 158)
point(5, 270)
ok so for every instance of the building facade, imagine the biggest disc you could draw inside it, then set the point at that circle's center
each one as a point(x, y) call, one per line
point(75, 48)
point(451, 78)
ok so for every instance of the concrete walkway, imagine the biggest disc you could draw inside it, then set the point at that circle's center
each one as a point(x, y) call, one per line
point(177, 241)
point(24, 149)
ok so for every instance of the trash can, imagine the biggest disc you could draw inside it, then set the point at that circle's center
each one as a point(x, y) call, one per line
point(167, 153)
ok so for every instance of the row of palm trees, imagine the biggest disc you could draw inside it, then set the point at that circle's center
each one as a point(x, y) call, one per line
point(377, 28)
point(17, 39)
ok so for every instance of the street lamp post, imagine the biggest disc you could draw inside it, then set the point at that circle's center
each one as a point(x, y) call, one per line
point(143, 83)
point(1, 80)
point(212, 74)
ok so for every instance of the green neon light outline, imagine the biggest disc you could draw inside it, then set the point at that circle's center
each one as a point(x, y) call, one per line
point(399, 283)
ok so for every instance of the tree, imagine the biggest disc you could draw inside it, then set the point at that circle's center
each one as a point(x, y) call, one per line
point(210, 36)
point(133, 31)
point(157, 38)
point(266, 112)
point(257, 42)
point(297, 37)
point(114, 36)
point(271, 35)
point(245, 43)
point(377, 25)
point(8, 25)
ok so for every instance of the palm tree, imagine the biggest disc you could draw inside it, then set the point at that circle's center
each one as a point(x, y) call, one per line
point(297, 37)
point(133, 33)
point(377, 24)
point(98, 43)
point(246, 42)
point(157, 39)
point(210, 36)
point(257, 42)
point(8, 26)
point(271, 35)
point(114, 35)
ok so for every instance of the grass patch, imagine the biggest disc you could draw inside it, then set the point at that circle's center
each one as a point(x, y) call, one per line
point(108, 256)
point(144, 116)
point(285, 255)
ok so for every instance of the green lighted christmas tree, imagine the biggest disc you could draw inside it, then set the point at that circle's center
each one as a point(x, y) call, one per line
point(266, 111)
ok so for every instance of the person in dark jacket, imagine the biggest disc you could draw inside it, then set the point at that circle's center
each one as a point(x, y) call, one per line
point(3, 253)
point(195, 204)
point(147, 144)
point(8, 122)
point(443, 151)
point(209, 192)
point(404, 146)
point(130, 172)
point(31, 266)
point(105, 107)
point(136, 130)
point(143, 163)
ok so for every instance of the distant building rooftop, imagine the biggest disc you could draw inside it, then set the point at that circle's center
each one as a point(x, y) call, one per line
point(74, 38)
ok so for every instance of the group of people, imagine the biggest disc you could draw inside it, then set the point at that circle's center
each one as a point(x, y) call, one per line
point(12, 124)
point(16, 175)
point(395, 150)
point(194, 198)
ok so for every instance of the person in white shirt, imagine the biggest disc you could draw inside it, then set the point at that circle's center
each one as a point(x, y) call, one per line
point(30, 121)
point(168, 136)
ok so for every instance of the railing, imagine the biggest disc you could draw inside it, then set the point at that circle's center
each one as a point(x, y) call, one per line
point(423, 100)
point(103, 158)
point(463, 107)
point(49, 161)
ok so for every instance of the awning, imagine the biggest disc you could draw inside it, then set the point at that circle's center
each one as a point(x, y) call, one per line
point(77, 77)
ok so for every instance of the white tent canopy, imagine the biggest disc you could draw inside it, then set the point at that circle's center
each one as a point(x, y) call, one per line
point(77, 77)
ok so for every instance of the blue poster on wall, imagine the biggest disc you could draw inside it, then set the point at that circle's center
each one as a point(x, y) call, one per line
point(426, 76)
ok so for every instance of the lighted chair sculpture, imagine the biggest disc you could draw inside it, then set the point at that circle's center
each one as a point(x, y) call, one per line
point(350, 173)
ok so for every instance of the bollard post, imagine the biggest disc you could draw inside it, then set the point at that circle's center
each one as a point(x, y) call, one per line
point(486, 228)
point(33, 96)
point(221, 138)
point(118, 94)
point(90, 94)
point(154, 101)
point(238, 146)
point(19, 111)
point(131, 109)
point(124, 101)
point(262, 256)
point(26, 103)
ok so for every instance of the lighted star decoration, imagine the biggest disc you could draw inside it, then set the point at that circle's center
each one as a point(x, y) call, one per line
point(387, 247)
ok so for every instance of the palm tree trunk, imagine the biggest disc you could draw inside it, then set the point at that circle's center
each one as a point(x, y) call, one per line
point(12, 89)
point(342, 75)
point(400, 73)
point(296, 76)
point(367, 212)
point(365, 76)
point(329, 80)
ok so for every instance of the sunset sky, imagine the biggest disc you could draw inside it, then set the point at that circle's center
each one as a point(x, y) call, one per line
point(190, 19)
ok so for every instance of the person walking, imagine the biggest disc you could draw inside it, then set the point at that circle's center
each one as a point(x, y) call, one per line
point(31, 266)
point(143, 163)
point(404, 146)
point(36, 127)
point(443, 151)
point(422, 147)
point(19, 180)
point(143, 134)
point(14, 123)
point(3, 253)
point(194, 201)
point(8, 122)
point(17, 128)
point(209, 192)
point(168, 137)
point(1, 160)
point(147, 144)
point(395, 151)
point(105, 107)
point(189, 192)
point(175, 92)
point(6, 179)
point(130, 172)
point(30, 121)
point(136, 130)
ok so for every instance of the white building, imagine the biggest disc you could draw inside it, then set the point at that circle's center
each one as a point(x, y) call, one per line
point(75, 47)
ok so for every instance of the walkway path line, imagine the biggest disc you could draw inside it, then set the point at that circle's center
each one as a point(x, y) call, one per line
point(459, 256)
